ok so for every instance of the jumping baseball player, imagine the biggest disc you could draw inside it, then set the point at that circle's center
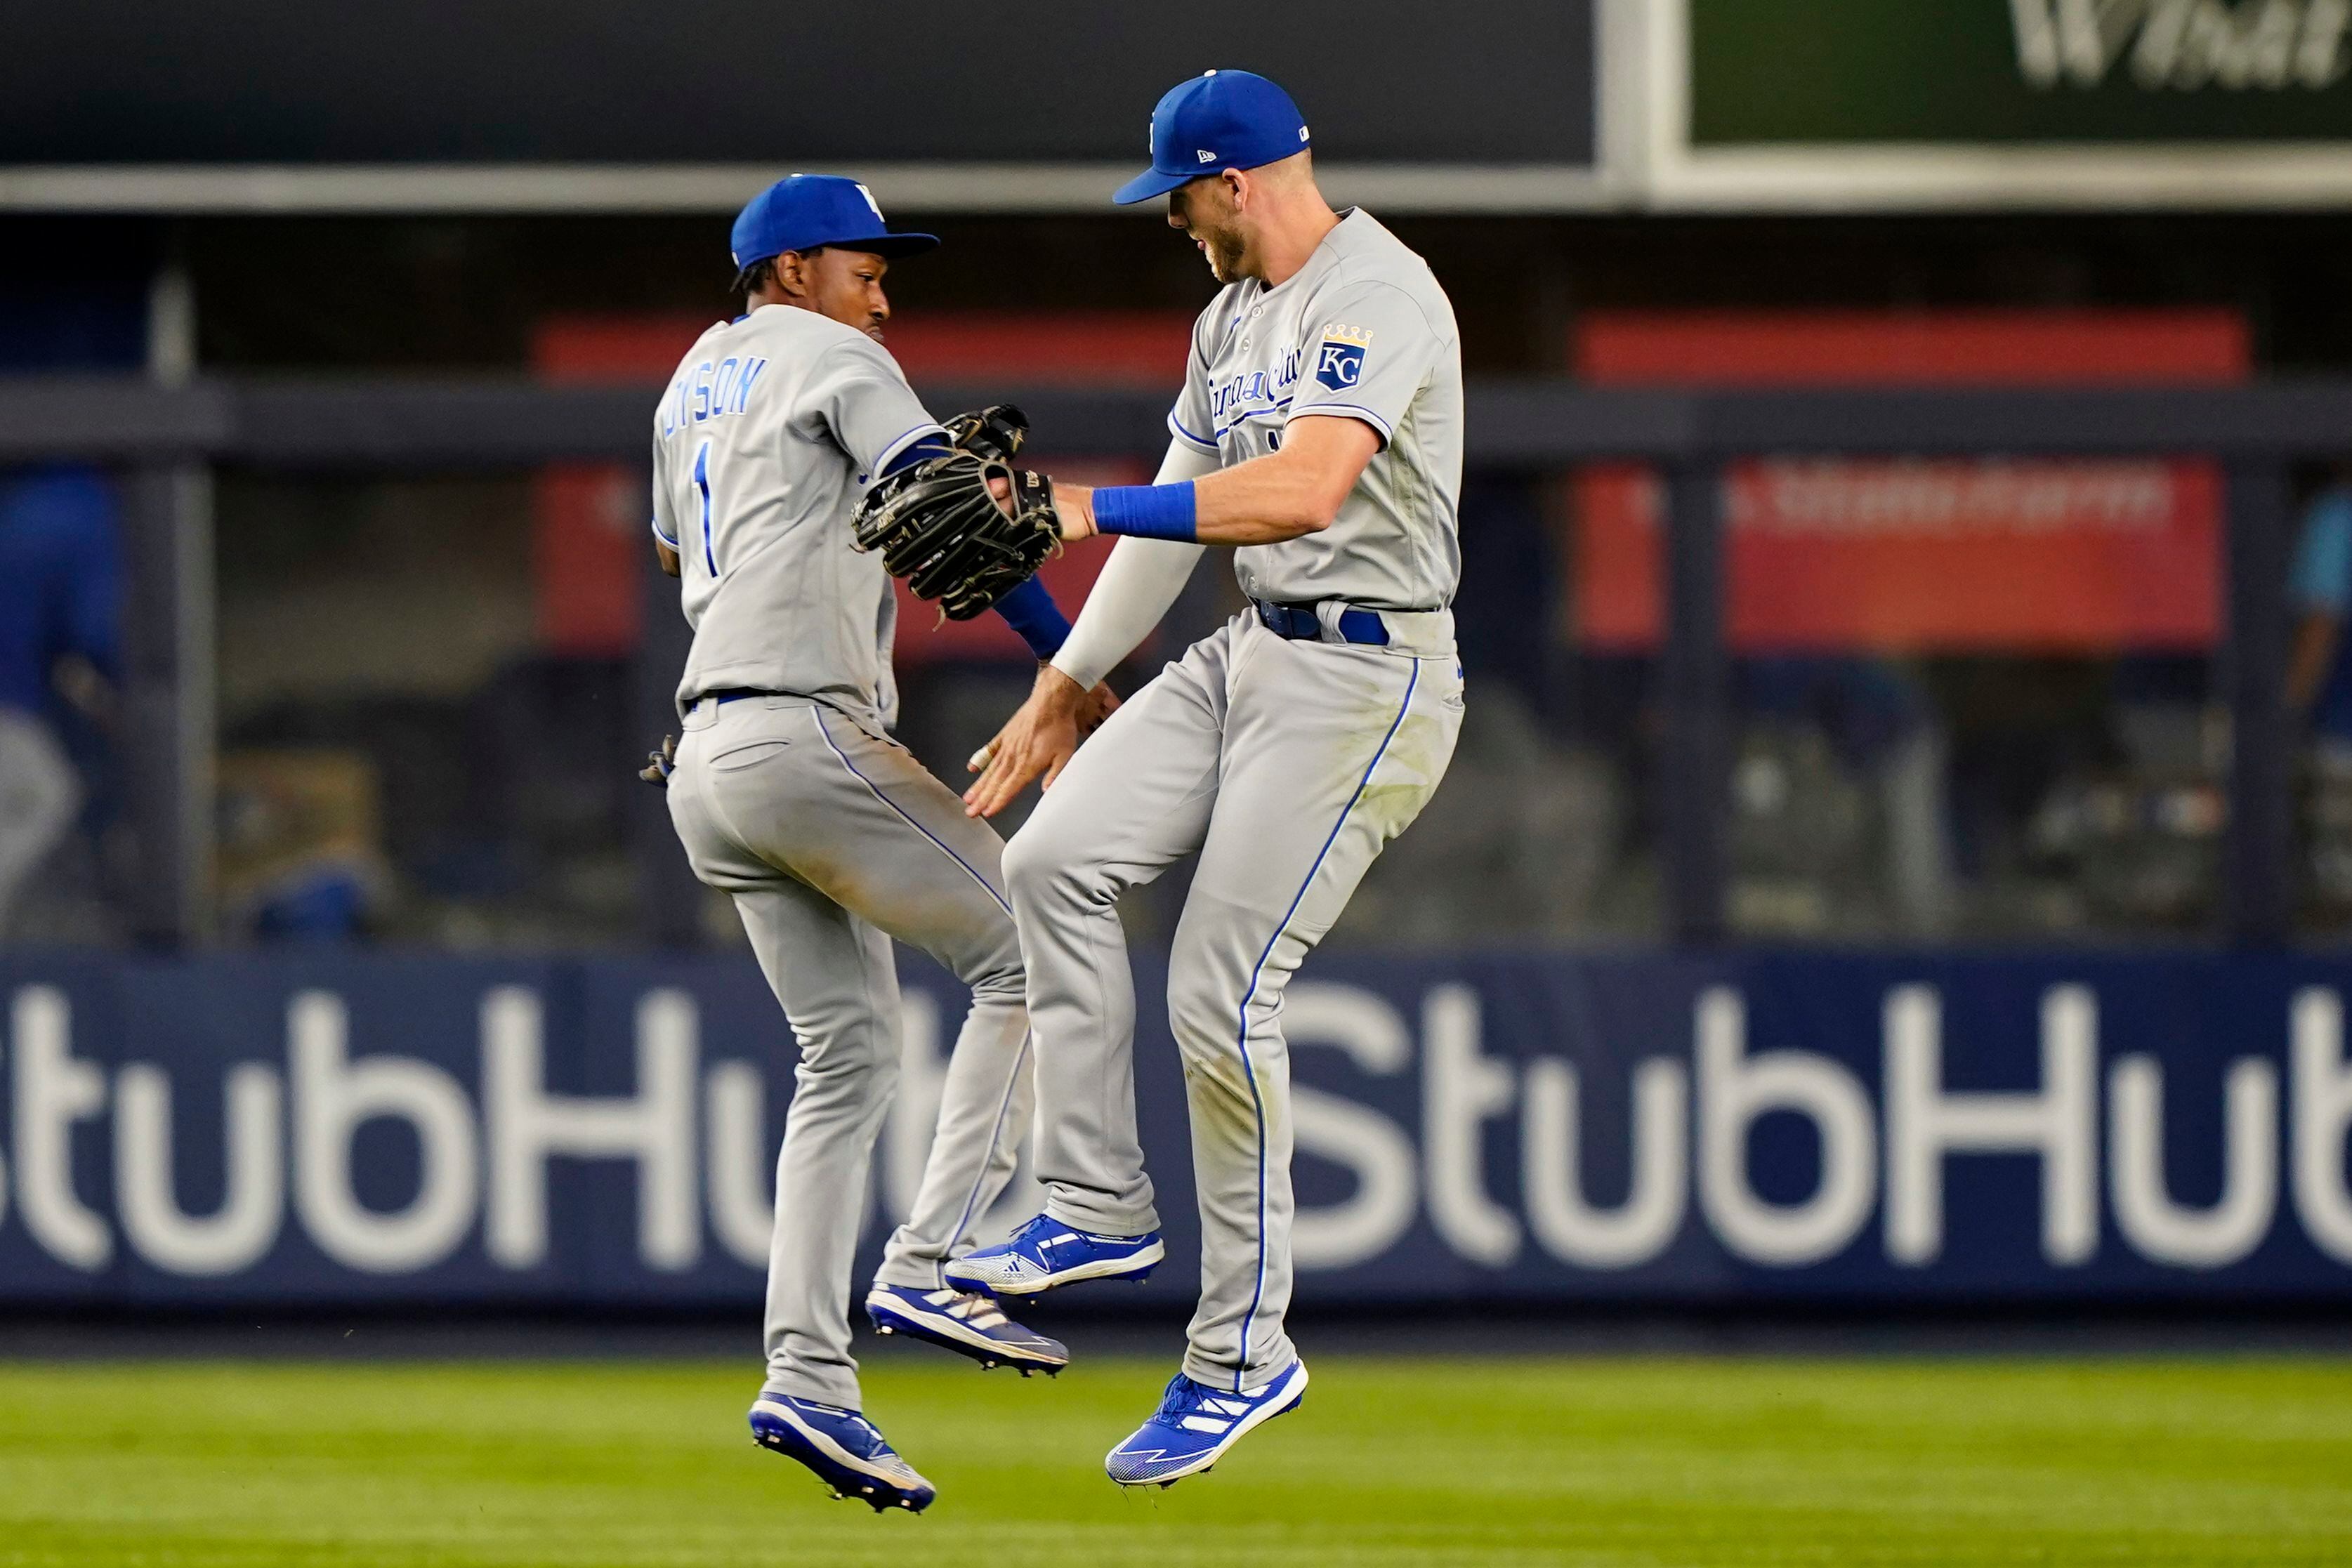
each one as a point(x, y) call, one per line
point(1319, 435)
point(788, 792)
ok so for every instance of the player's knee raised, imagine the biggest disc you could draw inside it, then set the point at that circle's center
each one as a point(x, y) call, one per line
point(857, 1053)
point(1042, 866)
point(1000, 974)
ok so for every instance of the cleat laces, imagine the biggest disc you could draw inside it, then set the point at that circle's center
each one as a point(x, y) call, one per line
point(1037, 1223)
point(1184, 1396)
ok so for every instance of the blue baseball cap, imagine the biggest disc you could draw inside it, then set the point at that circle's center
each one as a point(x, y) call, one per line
point(807, 211)
point(1225, 120)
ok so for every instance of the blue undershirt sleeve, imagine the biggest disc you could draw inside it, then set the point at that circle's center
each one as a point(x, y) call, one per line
point(922, 451)
point(1031, 611)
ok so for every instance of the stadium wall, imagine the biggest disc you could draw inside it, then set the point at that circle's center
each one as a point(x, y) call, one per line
point(1874, 1128)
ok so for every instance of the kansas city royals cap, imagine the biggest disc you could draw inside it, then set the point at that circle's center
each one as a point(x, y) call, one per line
point(1225, 120)
point(806, 211)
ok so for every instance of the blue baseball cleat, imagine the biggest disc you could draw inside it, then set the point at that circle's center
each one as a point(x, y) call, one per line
point(1194, 1425)
point(966, 1322)
point(843, 1447)
point(1046, 1252)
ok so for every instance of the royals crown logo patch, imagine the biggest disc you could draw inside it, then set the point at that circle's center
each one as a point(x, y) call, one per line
point(1339, 358)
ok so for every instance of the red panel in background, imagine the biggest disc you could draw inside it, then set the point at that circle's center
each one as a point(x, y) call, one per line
point(589, 529)
point(1920, 555)
point(1070, 348)
point(589, 520)
point(1074, 347)
point(1999, 348)
point(1923, 556)
point(629, 350)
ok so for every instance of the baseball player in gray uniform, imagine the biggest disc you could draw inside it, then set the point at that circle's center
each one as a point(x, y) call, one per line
point(1319, 434)
point(788, 792)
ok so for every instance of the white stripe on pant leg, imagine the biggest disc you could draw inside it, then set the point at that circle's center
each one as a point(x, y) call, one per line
point(1249, 1071)
point(1020, 1060)
point(825, 730)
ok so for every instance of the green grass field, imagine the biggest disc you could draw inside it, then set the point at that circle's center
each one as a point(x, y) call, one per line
point(1506, 1461)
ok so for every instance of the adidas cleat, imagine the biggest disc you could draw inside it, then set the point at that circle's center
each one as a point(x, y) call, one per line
point(843, 1447)
point(1046, 1253)
point(1194, 1425)
point(966, 1322)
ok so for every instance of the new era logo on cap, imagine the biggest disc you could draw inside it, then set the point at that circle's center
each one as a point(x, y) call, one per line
point(1231, 120)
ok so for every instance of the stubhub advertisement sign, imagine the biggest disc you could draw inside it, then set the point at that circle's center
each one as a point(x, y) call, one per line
point(1756, 1126)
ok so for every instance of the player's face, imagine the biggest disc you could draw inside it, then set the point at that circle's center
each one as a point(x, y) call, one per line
point(846, 284)
point(1205, 211)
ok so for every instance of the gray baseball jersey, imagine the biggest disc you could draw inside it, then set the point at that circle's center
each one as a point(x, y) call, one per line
point(767, 436)
point(1287, 765)
point(1361, 330)
point(831, 838)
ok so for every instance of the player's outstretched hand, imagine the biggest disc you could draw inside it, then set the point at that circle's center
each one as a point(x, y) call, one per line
point(660, 764)
point(1039, 739)
point(1101, 703)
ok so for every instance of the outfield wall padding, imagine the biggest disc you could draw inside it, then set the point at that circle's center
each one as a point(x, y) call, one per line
point(1762, 1127)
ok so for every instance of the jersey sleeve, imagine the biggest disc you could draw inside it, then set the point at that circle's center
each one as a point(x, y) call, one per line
point(1190, 422)
point(2323, 560)
point(1366, 352)
point(863, 400)
point(665, 526)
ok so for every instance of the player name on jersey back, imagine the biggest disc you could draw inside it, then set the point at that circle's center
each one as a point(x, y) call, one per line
point(707, 390)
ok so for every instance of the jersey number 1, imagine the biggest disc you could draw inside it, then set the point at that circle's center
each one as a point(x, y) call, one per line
point(702, 489)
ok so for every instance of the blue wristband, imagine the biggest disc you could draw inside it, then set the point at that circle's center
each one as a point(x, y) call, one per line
point(1147, 511)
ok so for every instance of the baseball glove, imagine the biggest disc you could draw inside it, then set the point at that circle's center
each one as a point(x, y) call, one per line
point(940, 528)
point(992, 434)
point(995, 432)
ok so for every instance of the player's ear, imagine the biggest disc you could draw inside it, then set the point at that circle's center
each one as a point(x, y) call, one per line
point(1238, 185)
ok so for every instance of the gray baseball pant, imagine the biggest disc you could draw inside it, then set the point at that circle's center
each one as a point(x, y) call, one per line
point(833, 840)
point(1288, 766)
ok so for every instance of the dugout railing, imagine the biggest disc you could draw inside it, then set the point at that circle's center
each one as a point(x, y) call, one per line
point(167, 441)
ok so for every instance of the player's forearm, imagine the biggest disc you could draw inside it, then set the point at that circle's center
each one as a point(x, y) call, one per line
point(1297, 489)
point(1264, 501)
point(1261, 502)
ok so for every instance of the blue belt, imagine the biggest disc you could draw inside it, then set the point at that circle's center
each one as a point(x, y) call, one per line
point(726, 695)
point(1299, 623)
